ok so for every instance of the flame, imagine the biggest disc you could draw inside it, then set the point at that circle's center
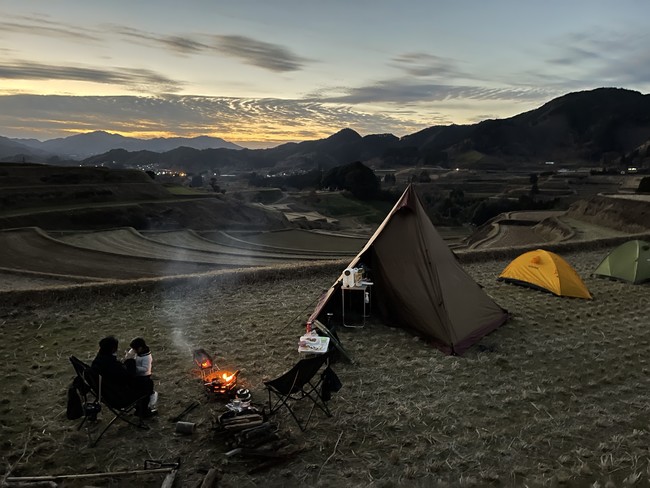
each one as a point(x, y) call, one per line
point(206, 363)
point(222, 377)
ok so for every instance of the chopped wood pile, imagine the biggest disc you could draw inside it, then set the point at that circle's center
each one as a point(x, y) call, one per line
point(256, 441)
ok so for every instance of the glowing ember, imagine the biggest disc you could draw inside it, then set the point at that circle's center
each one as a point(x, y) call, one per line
point(223, 377)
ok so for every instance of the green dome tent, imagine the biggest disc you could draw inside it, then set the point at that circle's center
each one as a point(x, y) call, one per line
point(628, 262)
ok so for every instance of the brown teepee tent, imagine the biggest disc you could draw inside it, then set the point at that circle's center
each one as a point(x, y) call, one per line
point(418, 283)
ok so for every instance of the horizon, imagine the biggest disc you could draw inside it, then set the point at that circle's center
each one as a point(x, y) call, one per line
point(261, 75)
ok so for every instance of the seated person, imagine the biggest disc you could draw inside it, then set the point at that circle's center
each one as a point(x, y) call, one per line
point(142, 362)
point(119, 386)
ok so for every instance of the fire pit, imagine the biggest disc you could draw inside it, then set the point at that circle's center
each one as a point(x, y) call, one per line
point(216, 382)
point(221, 383)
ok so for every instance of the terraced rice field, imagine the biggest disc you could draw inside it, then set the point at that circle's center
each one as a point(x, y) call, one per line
point(34, 258)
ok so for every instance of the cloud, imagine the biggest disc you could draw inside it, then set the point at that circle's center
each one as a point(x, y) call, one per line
point(45, 27)
point(265, 55)
point(257, 53)
point(402, 91)
point(605, 58)
point(238, 118)
point(272, 57)
point(129, 77)
point(183, 45)
point(428, 65)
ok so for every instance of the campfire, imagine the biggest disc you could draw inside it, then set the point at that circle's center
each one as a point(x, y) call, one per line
point(217, 382)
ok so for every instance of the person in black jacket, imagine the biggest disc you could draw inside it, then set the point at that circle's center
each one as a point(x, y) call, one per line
point(119, 386)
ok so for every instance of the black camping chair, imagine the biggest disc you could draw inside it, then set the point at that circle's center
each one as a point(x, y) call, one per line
point(94, 395)
point(297, 384)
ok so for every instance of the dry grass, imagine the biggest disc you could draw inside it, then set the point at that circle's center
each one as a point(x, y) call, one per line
point(558, 395)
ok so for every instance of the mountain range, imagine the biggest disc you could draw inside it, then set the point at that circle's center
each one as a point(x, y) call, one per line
point(604, 126)
point(82, 146)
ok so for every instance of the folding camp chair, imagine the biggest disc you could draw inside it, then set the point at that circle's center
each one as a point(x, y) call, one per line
point(298, 383)
point(94, 395)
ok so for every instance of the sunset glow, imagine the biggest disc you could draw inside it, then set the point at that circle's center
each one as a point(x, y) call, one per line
point(292, 71)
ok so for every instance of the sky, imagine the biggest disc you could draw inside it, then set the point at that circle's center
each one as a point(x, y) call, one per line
point(262, 72)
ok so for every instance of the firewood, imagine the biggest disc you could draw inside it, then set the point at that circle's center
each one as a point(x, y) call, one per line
point(258, 421)
point(259, 442)
point(168, 482)
point(275, 446)
point(211, 478)
point(29, 484)
point(108, 474)
point(240, 417)
point(257, 431)
point(240, 426)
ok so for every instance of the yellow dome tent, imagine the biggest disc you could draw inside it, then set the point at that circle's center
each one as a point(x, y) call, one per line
point(546, 271)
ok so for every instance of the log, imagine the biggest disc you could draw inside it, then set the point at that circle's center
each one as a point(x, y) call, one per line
point(260, 430)
point(234, 427)
point(240, 417)
point(211, 478)
point(261, 441)
point(168, 482)
point(108, 474)
point(30, 484)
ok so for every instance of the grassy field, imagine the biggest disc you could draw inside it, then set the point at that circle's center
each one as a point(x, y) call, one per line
point(558, 396)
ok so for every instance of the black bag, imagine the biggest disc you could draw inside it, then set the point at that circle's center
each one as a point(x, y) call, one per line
point(331, 384)
point(74, 408)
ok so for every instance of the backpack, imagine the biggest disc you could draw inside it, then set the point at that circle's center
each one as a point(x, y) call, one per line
point(74, 409)
point(77, 392)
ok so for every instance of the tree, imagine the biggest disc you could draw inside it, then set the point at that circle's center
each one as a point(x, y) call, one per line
point(354, 177)
point(644, 185)
point(151, 174)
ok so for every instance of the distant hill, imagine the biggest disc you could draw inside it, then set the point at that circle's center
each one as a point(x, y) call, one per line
point(606, 125)
point(11, 150)
point(602, 126)
point(84, 145)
